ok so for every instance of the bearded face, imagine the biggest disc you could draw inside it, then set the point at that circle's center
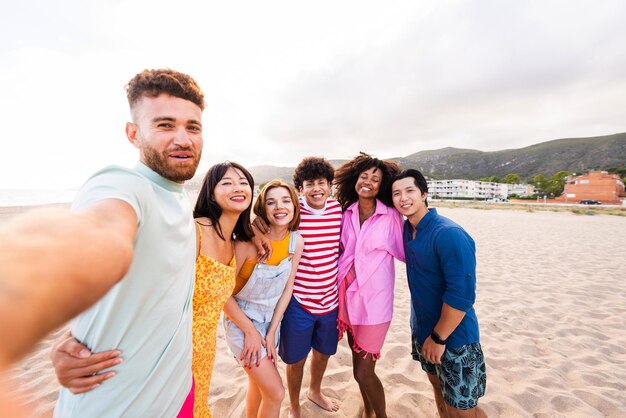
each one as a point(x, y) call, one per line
point(176, 163)
point(168, 132)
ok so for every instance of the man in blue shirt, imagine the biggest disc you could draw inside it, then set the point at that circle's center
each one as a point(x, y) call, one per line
point(441, 271)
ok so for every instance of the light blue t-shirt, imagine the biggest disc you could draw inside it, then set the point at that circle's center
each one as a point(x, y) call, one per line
point(147, 315)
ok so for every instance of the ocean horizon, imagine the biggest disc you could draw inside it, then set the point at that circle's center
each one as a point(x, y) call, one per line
point(21, 197)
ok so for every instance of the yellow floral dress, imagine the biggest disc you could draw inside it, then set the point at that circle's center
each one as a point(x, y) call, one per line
point(214, 285)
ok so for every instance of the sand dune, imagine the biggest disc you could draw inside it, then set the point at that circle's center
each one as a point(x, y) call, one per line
point(551, 304)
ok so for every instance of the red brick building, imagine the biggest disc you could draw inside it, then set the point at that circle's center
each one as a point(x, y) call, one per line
point(597, 185)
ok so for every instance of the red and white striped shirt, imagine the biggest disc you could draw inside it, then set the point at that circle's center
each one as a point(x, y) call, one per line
point(315, 285)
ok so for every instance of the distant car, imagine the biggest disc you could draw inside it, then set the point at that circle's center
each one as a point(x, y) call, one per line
point(589, 202)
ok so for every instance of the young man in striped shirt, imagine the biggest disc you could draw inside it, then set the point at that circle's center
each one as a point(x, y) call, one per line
point(310, 321)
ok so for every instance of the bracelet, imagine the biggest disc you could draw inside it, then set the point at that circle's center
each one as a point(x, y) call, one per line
point(437, 338)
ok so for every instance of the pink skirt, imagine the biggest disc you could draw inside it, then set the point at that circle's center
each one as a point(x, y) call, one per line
point(187, 410)
point(366, 339)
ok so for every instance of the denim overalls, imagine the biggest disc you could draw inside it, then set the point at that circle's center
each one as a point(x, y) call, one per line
point(258, 299)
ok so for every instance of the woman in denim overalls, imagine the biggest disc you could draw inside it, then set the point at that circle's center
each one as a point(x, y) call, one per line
point(262, 293)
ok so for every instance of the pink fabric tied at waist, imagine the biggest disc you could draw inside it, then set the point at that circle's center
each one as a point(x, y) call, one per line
point(366, 339)
point(187, 410)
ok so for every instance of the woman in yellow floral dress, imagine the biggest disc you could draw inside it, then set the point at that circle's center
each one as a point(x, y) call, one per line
point(222, 213)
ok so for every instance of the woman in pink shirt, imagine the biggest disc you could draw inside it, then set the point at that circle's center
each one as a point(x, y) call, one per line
point(371, 236)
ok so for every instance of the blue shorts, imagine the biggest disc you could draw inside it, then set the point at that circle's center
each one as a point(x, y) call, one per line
point(300, 331)
point(462, 373)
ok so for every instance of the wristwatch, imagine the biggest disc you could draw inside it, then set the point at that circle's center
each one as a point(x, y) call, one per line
point(437, 338)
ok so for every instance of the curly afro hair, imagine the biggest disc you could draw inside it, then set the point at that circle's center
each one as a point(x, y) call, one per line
point(312, 168)
point(346, 177)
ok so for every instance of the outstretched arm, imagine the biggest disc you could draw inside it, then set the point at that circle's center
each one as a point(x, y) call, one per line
point(55, 263)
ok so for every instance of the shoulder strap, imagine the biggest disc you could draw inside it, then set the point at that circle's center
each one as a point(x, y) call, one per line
point(199, 228)
point(292, 242)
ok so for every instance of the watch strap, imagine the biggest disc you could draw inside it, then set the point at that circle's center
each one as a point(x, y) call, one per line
point(437, 338)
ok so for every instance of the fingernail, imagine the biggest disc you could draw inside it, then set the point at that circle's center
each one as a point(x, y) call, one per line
point(84, 353)
point(118, 361)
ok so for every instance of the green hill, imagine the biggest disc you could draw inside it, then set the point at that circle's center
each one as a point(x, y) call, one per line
point(578, 155)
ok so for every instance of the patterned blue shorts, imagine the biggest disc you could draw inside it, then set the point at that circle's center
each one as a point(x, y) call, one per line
point(462, 373)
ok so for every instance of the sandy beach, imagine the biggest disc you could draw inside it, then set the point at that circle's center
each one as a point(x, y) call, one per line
point(551, 304)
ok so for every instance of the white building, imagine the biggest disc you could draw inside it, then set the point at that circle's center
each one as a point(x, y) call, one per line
point(522, 190)
point(474, 189)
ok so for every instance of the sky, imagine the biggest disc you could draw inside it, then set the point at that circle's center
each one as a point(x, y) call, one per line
point(289, 79)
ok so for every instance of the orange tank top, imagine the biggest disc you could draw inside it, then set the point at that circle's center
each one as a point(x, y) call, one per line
point(280, 251)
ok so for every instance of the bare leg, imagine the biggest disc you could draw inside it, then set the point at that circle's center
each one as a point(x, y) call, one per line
point(370, 385)
point(441, 405)
point(253, 399)
point(294, 384)
point(318, 367)
point(270, 386)
point(368, 412)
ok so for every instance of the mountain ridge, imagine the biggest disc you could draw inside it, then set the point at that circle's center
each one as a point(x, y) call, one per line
point(578, 155)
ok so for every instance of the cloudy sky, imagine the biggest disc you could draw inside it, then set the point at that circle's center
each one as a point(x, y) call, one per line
point(286, 79)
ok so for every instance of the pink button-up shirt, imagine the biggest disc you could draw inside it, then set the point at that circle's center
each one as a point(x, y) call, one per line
point(371, 247)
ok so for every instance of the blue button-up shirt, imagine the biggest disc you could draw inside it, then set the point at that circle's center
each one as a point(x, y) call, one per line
point(441, 267)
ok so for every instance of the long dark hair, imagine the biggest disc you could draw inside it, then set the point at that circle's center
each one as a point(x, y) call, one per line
point(206, 206)
point(347, 175)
